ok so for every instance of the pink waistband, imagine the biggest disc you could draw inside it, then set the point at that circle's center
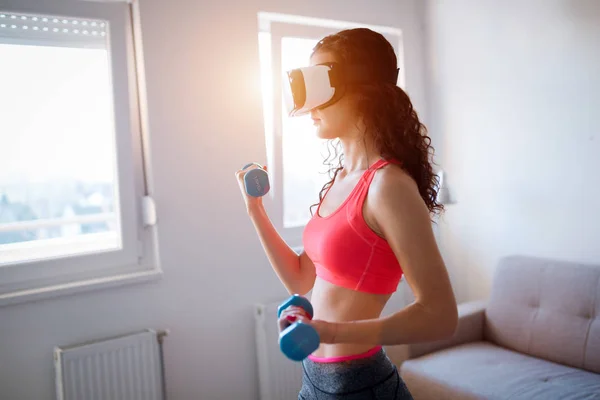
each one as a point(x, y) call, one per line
point(366, 354)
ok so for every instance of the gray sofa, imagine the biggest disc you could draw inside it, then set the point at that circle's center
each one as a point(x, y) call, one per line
point(537, 337)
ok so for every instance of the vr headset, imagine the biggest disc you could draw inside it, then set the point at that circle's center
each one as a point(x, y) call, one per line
point(321, 85)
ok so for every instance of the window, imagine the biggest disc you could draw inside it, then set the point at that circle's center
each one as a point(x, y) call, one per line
point(294, 154)
point(72, 179)
point(301, 149)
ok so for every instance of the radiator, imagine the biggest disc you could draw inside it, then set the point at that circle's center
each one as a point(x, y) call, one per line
point(279, 377)
point(127, 367)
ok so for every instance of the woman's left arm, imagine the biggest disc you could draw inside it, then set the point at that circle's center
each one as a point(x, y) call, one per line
point(403, 218)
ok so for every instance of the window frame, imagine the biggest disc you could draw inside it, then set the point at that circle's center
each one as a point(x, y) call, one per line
point(138, 258)
point(278, 26)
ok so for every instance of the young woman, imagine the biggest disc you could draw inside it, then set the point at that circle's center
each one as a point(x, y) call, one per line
point(371, 226)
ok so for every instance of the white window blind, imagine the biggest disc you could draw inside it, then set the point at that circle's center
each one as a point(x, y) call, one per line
point(45, 29)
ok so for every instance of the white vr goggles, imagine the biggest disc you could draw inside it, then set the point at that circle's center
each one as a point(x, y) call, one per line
point(321, 85)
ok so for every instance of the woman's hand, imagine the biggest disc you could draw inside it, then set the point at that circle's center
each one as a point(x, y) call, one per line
point(326, 330)
point(252, 203)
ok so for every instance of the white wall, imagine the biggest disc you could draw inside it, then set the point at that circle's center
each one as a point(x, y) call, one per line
point(515, 93)
point(205, 121)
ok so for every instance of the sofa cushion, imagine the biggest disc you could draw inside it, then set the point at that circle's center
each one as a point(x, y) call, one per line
point(548, 309)
point(482, 370)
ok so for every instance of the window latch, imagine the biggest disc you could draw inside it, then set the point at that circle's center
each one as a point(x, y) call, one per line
point(148, 211)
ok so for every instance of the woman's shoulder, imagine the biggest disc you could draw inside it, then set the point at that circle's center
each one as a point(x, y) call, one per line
point(393, 178)
point(391, 184)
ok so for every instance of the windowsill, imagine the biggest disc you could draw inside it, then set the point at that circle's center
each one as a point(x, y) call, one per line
point(45, 249)
point(48, 292)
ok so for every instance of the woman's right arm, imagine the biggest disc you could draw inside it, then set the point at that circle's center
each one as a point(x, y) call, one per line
point(296, 272)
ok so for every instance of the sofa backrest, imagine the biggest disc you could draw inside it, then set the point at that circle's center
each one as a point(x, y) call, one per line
point(548, 309)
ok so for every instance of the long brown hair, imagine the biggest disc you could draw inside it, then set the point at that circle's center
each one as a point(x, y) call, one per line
point(386, 110)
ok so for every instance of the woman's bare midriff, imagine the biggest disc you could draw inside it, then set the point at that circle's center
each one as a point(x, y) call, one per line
point(337, 304)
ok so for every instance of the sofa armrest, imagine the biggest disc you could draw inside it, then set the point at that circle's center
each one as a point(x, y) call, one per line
point(469, 329)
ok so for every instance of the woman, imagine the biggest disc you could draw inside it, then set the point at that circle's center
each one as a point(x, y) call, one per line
point(371, 226)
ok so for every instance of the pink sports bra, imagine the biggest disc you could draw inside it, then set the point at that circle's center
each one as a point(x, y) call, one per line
point(346, 251)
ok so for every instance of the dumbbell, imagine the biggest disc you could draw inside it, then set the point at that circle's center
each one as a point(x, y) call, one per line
point(256, 181)
point(298, 340)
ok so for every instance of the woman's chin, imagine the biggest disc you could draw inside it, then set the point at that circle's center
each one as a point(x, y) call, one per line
point(323, 133)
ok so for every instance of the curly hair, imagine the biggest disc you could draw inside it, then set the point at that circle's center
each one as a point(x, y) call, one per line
point(386, 111)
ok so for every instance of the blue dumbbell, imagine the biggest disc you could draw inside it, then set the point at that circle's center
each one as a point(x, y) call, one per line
point(256, 181)
point(298, 340)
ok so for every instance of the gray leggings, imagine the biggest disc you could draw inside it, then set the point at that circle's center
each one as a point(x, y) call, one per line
point(373, 377)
